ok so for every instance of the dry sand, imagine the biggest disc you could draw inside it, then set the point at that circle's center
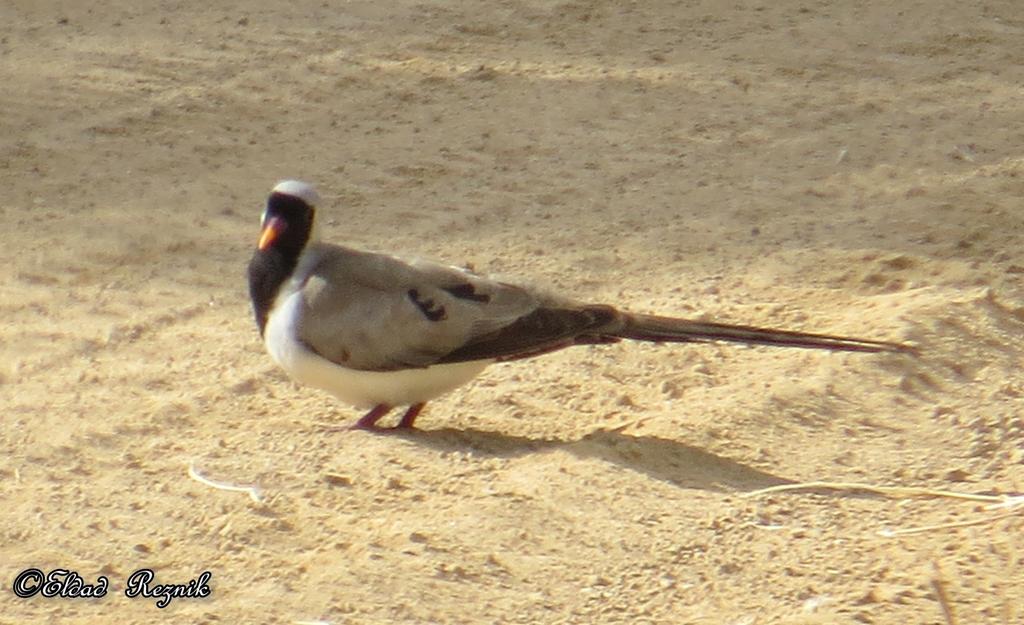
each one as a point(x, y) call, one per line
point(801, 164)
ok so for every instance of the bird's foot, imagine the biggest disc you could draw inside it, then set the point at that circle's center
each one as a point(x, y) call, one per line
point(410, 416)
point(370, 419)
point(368, 422)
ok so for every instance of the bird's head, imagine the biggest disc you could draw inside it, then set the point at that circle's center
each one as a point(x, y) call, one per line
point(287, 223)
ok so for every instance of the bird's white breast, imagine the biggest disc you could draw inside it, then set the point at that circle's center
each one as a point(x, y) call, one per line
point(362, 389)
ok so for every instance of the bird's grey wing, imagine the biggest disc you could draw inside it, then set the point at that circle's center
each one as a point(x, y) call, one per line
point(547, 328)
point(377, 312)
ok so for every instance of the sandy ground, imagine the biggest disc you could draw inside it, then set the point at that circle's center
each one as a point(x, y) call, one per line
point(800, 164)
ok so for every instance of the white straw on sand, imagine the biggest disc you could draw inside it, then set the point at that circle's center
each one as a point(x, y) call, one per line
point(252, 491)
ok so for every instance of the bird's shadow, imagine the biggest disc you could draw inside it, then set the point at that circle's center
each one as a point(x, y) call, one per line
point(677, 463)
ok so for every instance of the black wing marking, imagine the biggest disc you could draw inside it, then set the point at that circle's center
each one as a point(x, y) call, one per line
point(468, 291)
point(430, 309)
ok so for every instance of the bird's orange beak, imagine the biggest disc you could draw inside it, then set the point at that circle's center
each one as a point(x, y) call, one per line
point(271, 230)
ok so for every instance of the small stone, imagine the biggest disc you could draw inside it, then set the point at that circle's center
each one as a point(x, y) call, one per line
point(869, 597)
point(337, 479)
point(957, 475)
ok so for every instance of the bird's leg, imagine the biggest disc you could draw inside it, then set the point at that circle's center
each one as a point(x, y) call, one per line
point(370, 419)
point(410, 416)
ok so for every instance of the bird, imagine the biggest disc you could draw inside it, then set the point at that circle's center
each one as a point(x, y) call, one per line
point(381, 332)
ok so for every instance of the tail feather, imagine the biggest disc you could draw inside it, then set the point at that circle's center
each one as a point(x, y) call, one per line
point(669, 329)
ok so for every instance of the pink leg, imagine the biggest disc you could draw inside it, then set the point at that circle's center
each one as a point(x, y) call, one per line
point(410, 416)
point(370, 419)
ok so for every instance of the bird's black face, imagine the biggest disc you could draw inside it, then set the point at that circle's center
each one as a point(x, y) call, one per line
point(286, 228)
point(286, 225)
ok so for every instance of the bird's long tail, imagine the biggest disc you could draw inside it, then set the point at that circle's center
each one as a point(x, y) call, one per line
point(669, 329)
